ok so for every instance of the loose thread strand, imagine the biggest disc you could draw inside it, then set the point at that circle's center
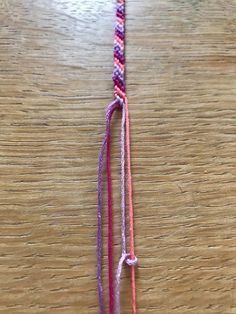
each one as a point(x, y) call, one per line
point(109, 112)
point(130, 198)
point(110, 226)
point(123, 231)
point(120, 93)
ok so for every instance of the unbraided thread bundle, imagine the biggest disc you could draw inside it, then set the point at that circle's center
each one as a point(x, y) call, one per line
point(120, 102)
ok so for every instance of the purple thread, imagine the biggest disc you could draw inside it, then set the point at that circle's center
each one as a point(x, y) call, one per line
point(109, 112)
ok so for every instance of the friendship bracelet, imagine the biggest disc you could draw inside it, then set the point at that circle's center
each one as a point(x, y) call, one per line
point(120, 102)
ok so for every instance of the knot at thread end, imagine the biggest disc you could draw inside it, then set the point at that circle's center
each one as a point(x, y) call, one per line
point(131, 261)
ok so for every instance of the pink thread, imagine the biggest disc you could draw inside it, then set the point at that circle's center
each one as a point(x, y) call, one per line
point(110, 227)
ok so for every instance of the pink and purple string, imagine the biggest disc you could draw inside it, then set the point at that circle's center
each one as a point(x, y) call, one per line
point(120, 102)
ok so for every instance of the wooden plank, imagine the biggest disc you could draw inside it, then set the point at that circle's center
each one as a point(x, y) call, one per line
point(55, 81)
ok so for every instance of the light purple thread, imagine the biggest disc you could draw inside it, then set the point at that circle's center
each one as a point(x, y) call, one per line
point(109, 112)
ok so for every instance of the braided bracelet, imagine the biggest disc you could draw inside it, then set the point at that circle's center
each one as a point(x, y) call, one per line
point(120, 102)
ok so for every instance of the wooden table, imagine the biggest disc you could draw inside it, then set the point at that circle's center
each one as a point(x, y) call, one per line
point(55, 81)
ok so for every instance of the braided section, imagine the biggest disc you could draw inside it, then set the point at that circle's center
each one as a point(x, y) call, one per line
point(119, 53)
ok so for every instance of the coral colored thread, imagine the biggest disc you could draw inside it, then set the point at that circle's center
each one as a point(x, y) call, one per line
point(120, 93)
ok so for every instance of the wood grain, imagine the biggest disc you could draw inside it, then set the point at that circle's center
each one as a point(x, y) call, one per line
point(55, 81)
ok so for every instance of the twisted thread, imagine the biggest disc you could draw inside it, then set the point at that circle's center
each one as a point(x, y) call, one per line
point(120, 101)
point(110, 226)
point(109, 112)
point(120, 94)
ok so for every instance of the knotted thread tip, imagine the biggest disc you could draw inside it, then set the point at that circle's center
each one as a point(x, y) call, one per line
point(131, 261)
